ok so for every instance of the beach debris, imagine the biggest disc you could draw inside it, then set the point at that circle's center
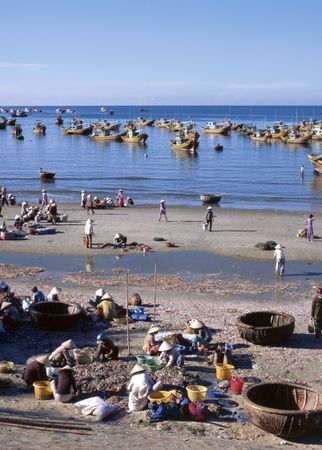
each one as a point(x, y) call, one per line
point(268, 245)
point(12, 271)
point(159, 239)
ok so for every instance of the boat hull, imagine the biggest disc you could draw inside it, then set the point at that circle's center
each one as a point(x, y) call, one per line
point(112, 137)
point(82, 131)
point(139, 139)
point(220, 130)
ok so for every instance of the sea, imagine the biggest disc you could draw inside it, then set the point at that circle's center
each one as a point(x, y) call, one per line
point(246, 174)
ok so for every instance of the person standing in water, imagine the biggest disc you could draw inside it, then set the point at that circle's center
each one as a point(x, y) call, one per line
point(280, 260)
point(302, 171)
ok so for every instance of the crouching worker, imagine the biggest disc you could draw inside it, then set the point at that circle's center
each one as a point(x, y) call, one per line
point(120, 240)
point(36, 370)
point(140, 387)
point(62, 355)
point(106, 309)
point(106, 349)
point(170, 355)
point(150, 345)
point(202, 336)
point(64, 386)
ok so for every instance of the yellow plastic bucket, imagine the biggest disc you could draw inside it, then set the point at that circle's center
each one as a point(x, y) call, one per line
point(159, 397)
point(196, 393)
point(224, 371)
point(43, 390)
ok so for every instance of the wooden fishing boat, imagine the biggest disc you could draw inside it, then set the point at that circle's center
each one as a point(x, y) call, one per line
point(296, 138)
point(55, 315)
point(39, 128)
point(11, 122)
point(3, 123)
point(144, 123)
point(213, 128)
point(316, 132)
point(59, 120)
point(104, 135)
point(265, 327)
point(46, 175)
point(175, 125)
point(236, 126)
point(105, 125)
point(77, 126)
point(134, 136)
point(284, 409)
point(17, 132)
point(316, 161)
point(182, 142)
point(210, 198)
point(162, 123)
point(261, 137)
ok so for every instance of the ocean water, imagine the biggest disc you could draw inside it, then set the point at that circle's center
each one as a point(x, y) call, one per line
point(246, 174)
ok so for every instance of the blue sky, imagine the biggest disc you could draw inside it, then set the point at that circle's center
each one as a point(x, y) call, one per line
point(206, 52)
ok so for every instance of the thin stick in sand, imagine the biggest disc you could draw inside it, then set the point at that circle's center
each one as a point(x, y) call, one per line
point(155, 290)
point(127, 315)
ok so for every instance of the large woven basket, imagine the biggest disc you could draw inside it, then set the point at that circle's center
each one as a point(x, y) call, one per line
point(286, 410)
point(55, 315)
point(265, 327)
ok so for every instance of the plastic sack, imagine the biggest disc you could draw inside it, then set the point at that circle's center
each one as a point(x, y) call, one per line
point(97, 407)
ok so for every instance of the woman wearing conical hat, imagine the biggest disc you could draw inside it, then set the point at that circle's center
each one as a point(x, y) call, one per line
point(171, 355)
point(150, 345)
point(36, 370)
point(62, 355)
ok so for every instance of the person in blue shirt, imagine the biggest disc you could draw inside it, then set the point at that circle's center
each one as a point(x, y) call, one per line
point(37, 296)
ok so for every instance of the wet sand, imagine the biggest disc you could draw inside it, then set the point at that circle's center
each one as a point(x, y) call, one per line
point(235, 232)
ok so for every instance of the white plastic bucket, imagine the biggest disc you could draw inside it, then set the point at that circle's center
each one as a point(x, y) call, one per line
point(204, 226)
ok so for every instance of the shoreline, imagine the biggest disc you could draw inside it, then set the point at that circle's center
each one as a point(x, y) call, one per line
point(235, 232)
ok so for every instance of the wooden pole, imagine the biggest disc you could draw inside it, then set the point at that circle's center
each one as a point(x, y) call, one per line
point(127, 315)
point(155, 290)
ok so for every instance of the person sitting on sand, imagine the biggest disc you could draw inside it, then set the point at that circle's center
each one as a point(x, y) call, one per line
point(106, 309)
point(24, 209)
point(202, 336)
point(37, 295)
point(36, 370)
point(18, 223)
point(150, 345)
point(140, 387)
point(120, 240)
point(64, 387)
point(106, 349)
point(53, 294)
point(171, 355)
point(62, 355)
point(98, 297)
point(10, 317)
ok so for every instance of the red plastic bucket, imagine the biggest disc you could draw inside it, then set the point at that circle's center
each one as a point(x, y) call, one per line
point(236, 385)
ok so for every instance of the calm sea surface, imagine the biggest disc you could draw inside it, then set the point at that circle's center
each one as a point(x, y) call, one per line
point(246, 174)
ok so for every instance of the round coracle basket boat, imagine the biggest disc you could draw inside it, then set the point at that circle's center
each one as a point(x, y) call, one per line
point(210, 198)
point(284, 409)
point(265, 327)
point(55, 315)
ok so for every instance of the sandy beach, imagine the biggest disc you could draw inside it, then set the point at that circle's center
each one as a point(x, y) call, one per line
point(213, 299)
point(296, 360)
point(235, 232)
